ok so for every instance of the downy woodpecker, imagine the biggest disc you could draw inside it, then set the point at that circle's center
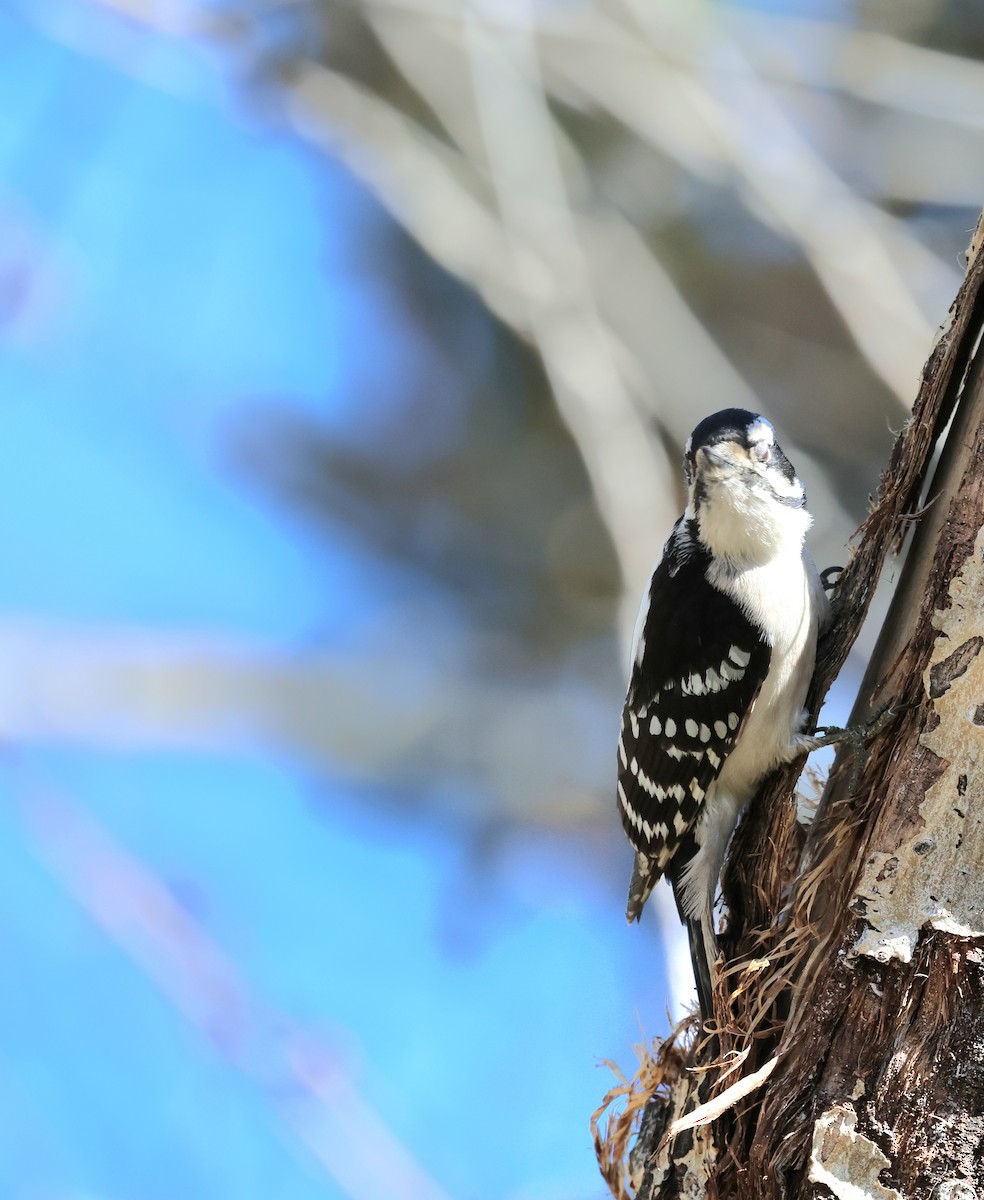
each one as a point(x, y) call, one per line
point(722, 657)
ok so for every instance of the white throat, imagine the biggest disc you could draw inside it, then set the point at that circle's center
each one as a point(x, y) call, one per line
point(747, 526)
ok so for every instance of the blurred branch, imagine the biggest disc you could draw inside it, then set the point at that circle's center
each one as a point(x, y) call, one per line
point(535, 283)
point(303, 1083)
point(823, 54)
point(530, 208)
point(849, 243)
point(150, 688)
point(700, 100)
point(628, 470)
point(786, 49)
point(516, 266)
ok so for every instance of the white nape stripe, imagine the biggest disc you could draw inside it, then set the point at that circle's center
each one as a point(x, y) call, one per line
point(760, 430)
point(738, 656)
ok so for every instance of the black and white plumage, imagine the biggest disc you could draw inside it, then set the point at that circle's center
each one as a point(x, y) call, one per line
point(722, 657)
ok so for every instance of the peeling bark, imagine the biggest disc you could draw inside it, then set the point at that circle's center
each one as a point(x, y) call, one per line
point(933, 877)
point(845, 1161)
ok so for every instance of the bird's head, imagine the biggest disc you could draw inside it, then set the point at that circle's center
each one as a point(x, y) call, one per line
point(743, 493)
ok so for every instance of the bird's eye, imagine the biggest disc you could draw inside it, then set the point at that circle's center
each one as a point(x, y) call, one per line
point(761, 451)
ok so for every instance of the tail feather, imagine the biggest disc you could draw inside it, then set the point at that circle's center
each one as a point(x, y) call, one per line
point(646, 873)
point(694, 879)
point(703, 954)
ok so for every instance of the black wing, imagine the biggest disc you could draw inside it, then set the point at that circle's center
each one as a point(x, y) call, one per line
point(698, 667)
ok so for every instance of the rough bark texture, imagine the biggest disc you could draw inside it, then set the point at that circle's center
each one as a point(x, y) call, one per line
point(856, 954)
point(888, 1031)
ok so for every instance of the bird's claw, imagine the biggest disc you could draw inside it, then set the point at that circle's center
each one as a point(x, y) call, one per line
point(857, 737)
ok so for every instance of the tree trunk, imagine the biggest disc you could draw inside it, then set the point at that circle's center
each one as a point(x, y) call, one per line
point(847, 1057)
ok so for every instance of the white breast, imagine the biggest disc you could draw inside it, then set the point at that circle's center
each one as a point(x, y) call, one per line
point(785, 599)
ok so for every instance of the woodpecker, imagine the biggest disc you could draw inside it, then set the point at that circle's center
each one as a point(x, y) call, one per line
point(722, 657)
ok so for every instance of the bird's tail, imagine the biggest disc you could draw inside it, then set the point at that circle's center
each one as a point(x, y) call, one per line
point(703, 954)
point(693, 891)
point(700, 929)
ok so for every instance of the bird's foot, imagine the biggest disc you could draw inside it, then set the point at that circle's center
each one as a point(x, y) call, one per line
point(857, 737)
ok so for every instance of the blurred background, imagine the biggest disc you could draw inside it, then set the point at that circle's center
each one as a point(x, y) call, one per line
point(348, 350)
